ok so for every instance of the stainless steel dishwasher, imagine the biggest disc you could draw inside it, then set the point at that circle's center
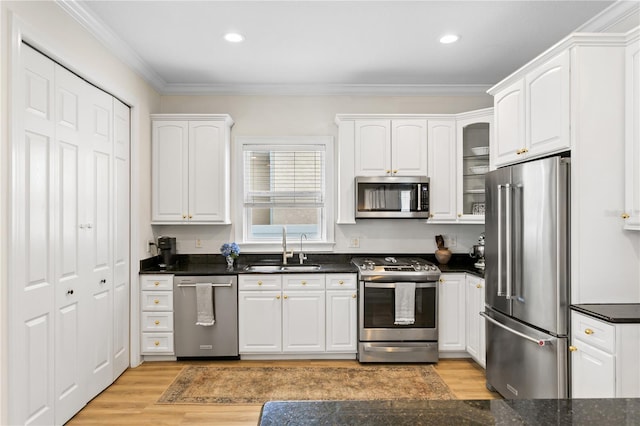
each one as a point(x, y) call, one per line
point(217, 340)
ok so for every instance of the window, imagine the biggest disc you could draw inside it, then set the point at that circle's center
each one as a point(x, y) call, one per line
point(286, 182)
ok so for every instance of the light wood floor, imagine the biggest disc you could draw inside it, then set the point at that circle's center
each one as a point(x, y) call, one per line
point(131, 399)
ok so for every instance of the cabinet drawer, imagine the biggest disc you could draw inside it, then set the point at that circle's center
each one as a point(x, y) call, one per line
point(259, 282)
point(594, 332)
point(157, 301)
point(157, 321)
point(303, 281)
point(157, 343)
point(156, 282)
point(341, 281)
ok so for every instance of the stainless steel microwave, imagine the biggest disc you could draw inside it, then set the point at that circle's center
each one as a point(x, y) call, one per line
point(392, 197)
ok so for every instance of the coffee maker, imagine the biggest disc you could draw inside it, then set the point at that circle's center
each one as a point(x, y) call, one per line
point(477, 252)
point(166, 251)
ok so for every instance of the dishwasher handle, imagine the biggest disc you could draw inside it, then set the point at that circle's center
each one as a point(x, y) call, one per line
point(212, 285)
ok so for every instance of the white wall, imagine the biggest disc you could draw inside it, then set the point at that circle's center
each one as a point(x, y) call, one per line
point(313, 116)
point(47, 27)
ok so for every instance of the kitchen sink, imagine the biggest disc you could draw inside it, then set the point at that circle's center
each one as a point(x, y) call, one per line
point(300, 268)
point(281, 268)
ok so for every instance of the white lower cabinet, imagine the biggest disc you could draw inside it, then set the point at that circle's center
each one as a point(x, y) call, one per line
point(604, 358)
point(294, 314)
point(156, 300)
point(341, 313)
point(475, 324)
point(451, 313)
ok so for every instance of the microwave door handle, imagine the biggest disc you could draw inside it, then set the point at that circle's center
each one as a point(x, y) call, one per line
point(419, 197)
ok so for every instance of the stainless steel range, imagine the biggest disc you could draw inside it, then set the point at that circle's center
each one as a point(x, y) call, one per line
point(398, 309)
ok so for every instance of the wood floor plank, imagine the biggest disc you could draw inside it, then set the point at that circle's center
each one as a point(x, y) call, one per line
point(131, 400)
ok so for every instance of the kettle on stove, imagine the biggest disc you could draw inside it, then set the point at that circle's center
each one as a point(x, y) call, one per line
point(477, 252)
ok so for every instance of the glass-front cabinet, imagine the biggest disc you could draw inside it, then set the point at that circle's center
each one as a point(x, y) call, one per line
point(473, 136)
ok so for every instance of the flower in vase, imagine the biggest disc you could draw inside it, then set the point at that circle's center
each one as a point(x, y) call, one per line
point(230, 250)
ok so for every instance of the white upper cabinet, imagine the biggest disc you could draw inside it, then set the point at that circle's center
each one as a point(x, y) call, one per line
point(533, 113)
point(472, 163)
point(442, 170)
point(190, 169)
point(631, 213)
point(396, 147)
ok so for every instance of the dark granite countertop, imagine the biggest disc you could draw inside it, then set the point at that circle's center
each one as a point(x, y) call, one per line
point(214, 264)
point(619, 313)
point(458, 412)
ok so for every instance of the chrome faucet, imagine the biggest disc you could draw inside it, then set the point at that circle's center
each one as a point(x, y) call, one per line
point(285, 254)
point(301, 255)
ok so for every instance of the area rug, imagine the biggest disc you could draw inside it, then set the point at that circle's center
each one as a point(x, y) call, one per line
point(257, 385)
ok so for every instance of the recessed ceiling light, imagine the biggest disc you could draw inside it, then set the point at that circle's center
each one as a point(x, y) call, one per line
point(449, 38)
point(234, 37)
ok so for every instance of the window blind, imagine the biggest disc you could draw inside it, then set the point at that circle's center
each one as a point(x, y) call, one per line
point(284, 176)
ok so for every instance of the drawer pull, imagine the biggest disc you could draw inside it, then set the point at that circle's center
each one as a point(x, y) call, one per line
point(588, 331)
point(156, 343)
point(625, 215)
point(303, 282)
point(572, 349)
point(353, 296)
point(157, 322)
point(278, 297)
point(285, 297)
point(156, 301)
point(340, 282)
point(156, 283)
point(259, 282)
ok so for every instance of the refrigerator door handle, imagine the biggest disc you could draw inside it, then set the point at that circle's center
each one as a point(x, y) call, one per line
point(508, 225)
point(539, 342)
point(500, 292)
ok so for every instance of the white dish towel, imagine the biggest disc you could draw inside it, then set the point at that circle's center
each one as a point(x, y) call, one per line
point(405, 303)
point(204, 303)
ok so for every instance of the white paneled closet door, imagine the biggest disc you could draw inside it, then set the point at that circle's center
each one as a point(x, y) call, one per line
point(97, 223)
point(121, 286)
point(69, 263)
point(71, 300)
point(32, 281)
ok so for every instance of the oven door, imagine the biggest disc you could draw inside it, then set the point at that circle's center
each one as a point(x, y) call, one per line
point(377, 313)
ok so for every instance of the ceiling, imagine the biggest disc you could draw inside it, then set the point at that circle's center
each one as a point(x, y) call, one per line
point(330, 46)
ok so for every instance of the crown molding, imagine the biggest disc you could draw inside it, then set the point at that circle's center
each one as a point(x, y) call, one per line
point(111, 42)
point(330, 89)
point(608, 18)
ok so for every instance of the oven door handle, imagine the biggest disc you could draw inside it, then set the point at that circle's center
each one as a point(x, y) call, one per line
point(368, 284)
point(376, 348)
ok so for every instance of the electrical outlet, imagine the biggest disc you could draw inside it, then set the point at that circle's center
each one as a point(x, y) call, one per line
point(451, 241)
point(354, 242)
point(150, 244)
point(198, 243)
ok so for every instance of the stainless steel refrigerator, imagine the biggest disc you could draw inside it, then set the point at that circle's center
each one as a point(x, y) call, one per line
point(527, 279)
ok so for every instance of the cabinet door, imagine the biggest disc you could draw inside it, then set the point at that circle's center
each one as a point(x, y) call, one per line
point(475, 332)
point(259, 321)
point(451, 313)
point(372, 148)
point(632, 138)
point(303, 328)
point(342, 326)
point(208, 159)
point(442, 170)
point(592, 372)
point(169, 171)
point(509, 136)
point(409, 147)
point(547, 107)
point(473, 134)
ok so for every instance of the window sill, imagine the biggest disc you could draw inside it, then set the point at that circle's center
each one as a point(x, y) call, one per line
point(272, 247)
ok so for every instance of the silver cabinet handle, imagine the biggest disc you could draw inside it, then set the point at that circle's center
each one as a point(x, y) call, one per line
point(212, 285)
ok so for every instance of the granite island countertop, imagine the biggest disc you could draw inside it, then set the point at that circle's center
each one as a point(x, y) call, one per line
point(458, 412)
